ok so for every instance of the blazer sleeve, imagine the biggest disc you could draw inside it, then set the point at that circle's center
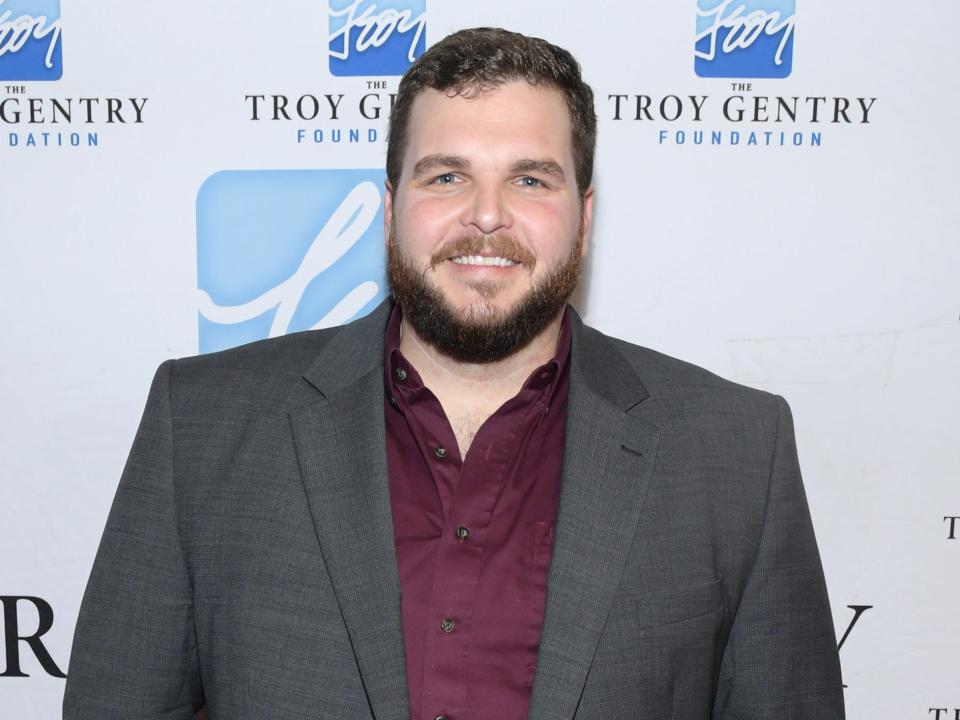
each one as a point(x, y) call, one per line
point(781, 657)
point(134, 649)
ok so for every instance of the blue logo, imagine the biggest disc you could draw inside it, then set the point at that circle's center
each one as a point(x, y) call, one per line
point(286, 250)
point(745, 38)
point(376, 37)
point(30, 47)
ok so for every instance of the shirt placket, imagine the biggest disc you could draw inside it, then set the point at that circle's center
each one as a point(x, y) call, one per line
point(468, 493)
point(447, 624)
point(459, 561)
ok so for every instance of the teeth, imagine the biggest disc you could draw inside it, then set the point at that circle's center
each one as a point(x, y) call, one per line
point(481, 260)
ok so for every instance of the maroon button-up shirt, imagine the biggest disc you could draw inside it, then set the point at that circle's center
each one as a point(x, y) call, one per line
point(474, 537)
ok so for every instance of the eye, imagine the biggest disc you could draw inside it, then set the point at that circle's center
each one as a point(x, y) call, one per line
point(531, 182)
point(445, 179)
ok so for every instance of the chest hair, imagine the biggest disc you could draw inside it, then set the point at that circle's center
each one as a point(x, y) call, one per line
point(465, 423)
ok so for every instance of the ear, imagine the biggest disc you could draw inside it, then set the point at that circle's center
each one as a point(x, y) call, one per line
point(586, 220)
point(387, 211)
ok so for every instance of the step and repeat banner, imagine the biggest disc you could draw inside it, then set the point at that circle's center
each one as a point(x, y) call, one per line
point(777, 200)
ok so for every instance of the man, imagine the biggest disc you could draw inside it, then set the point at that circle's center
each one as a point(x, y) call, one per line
point(467, 504)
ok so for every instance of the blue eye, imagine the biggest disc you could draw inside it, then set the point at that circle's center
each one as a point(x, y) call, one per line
point(445, 179)
point(531, 182)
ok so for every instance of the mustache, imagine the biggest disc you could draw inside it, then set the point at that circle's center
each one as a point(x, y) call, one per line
point(499, 245)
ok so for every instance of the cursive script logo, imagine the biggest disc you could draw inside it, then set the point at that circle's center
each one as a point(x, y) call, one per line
point(282, 251)
point(375, 30)
point(344, 228)
point(743, 30)
point(372, 40)
point(745, 38)
point(15, 33)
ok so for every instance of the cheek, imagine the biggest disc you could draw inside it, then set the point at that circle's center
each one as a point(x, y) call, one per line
point(428, 220)
point(550, 226)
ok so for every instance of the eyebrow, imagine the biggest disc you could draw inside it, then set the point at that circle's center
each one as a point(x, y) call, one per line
point(438, 161)
point(431, 163)
point(543, 167)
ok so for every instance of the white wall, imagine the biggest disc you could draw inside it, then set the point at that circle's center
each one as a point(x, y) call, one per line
point(825, 273)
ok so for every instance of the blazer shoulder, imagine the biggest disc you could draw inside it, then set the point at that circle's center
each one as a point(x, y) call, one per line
point(262, 375)
point(705, 417)
point(686, 388)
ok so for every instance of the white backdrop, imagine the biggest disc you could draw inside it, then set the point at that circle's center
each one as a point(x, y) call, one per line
point(826, 272)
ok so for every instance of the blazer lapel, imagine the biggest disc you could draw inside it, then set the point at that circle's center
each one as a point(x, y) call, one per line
point(608, 459)
point(341, 450)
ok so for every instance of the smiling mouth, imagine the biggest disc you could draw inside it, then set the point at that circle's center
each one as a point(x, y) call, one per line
point(483, 260)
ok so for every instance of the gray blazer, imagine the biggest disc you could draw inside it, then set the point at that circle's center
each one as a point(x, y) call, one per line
point(248, 560)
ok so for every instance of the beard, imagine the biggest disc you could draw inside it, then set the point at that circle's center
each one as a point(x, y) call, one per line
point(480, 333)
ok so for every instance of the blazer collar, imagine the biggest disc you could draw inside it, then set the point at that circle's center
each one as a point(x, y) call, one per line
point(353, 351)
point(357, 348)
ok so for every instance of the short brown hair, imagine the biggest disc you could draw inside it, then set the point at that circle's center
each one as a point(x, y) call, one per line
point(480, 59)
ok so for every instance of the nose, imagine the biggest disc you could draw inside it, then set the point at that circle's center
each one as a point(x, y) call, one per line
point(486, 210)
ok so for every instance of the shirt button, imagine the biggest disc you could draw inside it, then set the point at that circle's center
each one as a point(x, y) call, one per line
point(447, 625)
point(440, 452)
point(462, 533)
point(441, 717)
point(401, 373)
point(393, 401)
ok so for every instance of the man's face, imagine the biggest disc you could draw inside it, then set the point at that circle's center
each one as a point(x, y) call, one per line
point(486, 229)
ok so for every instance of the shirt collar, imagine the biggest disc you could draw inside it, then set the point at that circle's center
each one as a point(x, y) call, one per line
point(543, 379)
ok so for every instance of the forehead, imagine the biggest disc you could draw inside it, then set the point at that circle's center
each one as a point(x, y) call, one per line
point(514, 120)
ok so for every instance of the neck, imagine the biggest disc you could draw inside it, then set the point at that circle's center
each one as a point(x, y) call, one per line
point(478, 383)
